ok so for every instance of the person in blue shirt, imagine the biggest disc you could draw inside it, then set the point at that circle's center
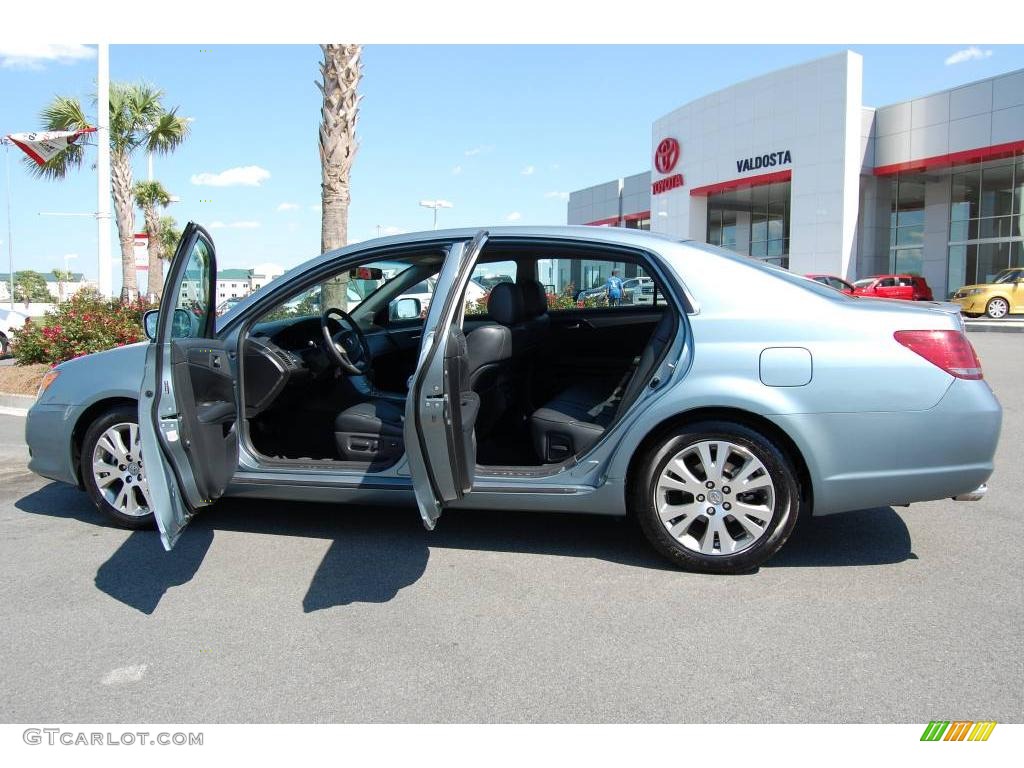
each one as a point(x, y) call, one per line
point(613, 289)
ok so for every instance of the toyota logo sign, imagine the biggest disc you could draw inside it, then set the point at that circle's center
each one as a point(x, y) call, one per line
point(666, 155)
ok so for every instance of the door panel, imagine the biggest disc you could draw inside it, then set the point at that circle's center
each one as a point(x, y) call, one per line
point(188, 403)
point(593, 343)
point(441, 410)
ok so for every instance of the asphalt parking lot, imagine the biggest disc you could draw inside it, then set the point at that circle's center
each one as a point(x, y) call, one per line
point(302, 612)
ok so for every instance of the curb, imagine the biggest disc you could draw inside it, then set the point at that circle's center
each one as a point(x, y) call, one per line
point(994, 327)
point(15, 405)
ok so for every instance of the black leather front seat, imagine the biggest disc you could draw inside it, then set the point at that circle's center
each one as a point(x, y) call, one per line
point(572, 422)
point(372, 430)
point(494, 351)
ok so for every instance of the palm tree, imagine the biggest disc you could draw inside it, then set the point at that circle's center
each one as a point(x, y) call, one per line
point(137, 119)
point(340, 73)
point(151, 196)
point(169, 236)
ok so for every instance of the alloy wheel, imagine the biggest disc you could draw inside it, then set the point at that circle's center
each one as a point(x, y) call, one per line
point(997, 308)
point(118, 472)
point(716, 498)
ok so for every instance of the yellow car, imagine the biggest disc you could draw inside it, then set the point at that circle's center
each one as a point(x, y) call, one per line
point(1003, 296)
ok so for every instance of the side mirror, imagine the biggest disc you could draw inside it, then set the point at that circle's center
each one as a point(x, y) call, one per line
point(407, 308)
point(149, 323)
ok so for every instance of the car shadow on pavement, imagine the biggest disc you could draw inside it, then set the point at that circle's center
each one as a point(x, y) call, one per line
point(378, 551)
point(139, 572)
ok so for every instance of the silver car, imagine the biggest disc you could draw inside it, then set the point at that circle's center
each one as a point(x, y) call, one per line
point(713, 419)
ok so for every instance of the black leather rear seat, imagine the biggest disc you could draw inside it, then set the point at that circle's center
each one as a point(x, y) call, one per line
point(574, 420)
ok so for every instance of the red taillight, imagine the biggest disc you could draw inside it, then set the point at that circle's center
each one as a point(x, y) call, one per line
point(949, 350)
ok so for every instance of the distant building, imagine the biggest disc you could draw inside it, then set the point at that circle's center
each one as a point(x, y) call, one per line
point(238, 283)
point(58, 290)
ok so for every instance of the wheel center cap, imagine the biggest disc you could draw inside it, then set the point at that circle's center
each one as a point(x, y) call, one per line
point(133, 469)
point(715, 497)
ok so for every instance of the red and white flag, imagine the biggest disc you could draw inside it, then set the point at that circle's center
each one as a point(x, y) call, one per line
point(43, 146)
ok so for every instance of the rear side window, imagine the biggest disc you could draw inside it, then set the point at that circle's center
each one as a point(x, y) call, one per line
point(576, 283)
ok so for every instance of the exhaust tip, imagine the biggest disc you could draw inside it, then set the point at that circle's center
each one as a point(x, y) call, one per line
point(976, 495)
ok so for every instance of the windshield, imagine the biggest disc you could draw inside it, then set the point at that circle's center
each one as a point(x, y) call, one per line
point(1010, 275)
point(863, 283)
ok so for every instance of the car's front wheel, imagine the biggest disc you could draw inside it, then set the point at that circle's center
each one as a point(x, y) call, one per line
point(716, 497)
point(112, 469)
point(997, 308)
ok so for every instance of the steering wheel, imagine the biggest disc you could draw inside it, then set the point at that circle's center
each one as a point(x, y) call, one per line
point(347, 345)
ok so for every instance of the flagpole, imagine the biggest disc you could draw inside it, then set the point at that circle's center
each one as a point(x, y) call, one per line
point(105, 277)
point(10, 241)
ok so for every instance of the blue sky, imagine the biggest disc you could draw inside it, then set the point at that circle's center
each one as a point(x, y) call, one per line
point(504, 132)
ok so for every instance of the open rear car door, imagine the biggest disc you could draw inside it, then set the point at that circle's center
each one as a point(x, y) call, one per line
point(441, 411)
point(187, 406)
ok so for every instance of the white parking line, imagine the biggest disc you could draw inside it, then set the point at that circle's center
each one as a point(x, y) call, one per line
point(5, 411)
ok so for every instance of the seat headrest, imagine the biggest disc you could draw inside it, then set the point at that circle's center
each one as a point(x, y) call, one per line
point(535, 299)
point(505, 304)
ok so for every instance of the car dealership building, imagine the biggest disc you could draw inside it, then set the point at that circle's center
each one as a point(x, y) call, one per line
point(792, 168)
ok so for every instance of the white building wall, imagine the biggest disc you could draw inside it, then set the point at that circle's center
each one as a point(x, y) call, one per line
point(812, 110)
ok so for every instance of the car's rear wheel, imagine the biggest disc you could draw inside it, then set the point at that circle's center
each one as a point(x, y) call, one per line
point(716, 497)
point(112, 469)
point(997, 308)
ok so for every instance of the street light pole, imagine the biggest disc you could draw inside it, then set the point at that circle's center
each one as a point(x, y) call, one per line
point(435, 204)
point(10, 240)
point(105, 274)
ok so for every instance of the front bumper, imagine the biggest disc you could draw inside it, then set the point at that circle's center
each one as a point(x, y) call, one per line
point(971, 304)
point(48, 436)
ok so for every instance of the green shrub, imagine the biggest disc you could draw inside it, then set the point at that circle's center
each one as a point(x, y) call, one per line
point(85, 323)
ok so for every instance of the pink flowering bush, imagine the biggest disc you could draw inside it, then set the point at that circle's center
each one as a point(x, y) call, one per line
point(84, 324)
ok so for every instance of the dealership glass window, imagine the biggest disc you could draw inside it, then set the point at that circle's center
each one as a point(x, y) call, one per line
point(722, 227)
point(769, 227)
point(986, 220)
point(906, 224)
point(643, 223)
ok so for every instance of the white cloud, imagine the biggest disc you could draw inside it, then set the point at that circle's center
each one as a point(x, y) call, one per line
point(528, 170)
point(30, 56)
point(391, 231)
point(557, 195)
point(968, 54)
point(316, 207)
point(456, 170)
point(478, 150)
point(235, 225)
point(288, 207)
point(244, 176)
point(514, 216)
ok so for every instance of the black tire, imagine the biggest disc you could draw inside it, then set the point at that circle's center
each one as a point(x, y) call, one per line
point(777, 466)
point(122, 414)
point(1004, 302)
point(5, 345)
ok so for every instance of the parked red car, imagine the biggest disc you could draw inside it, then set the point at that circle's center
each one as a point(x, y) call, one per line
point(833, 282)
point(908, 287)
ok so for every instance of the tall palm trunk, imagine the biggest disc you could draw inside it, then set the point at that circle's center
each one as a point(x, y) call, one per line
point(124, 214)
point(155, 273)
point(340, 72)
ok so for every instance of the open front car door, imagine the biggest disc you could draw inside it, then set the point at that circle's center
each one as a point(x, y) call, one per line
point(441, 411)
point(187, 408)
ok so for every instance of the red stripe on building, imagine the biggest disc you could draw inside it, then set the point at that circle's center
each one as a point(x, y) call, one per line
point(995, 152)
point(637, 216)
point(743, 183)
point(603, 222)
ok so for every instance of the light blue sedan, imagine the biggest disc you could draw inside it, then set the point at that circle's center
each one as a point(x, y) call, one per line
point(714, 419)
